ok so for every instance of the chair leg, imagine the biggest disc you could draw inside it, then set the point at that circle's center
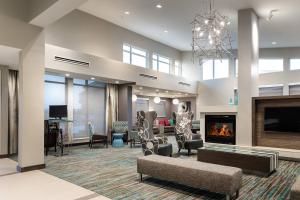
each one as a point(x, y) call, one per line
point(179, 150)
point(237, 194)
point(141, 177)
point(189, 152)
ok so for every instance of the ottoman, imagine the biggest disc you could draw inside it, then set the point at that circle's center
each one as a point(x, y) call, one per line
point(118, 140)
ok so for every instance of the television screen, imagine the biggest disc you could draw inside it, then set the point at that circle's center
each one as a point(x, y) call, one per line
point(282, 119)
point(58, 111)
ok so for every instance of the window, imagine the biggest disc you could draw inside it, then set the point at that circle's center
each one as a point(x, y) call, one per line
point(236, 71)
point(89, 106)
point(270, 65)
point(215, 69)
point(177, 68)
point(160, 108)
point(134, 55)
point(271, 90)
point(55, 92)
point(208, 70)
point(294, 64)
point(161, 63)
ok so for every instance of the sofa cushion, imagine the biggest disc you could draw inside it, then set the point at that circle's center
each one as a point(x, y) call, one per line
point(167, 123)
point(171, 122)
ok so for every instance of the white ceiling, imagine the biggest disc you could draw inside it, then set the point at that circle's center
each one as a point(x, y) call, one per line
point(176, 16)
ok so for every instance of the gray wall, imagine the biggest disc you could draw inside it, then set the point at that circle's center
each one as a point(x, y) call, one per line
point(125, 105)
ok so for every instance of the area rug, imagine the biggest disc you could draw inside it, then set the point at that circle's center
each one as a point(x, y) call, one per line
point(112, 172)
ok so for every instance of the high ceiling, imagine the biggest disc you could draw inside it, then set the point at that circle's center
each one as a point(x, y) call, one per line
point(176, 15)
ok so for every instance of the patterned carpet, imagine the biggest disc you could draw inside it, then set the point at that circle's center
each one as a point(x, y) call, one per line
point(112, 172)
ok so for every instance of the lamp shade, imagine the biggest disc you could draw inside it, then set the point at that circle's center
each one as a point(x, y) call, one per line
point(175, 101)
point(134, 98)
point(156, 99)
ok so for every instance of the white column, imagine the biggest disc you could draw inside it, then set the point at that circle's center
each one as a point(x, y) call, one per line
point(248, 55)
point(4, 112)
point(31, 105)
point(69, 100)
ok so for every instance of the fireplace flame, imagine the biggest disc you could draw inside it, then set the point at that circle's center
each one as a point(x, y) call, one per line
point(223, 131)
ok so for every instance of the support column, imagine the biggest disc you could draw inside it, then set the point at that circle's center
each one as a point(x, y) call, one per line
point(248, 55)
point(4, 112)
point(31, 105)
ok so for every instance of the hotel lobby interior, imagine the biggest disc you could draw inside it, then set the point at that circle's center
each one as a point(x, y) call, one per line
point(149, 99)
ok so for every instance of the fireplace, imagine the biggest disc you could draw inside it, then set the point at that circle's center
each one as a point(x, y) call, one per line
point(220, 129)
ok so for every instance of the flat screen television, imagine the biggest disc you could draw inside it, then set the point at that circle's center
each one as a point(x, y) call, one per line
point(282, 119)
point(58, 111)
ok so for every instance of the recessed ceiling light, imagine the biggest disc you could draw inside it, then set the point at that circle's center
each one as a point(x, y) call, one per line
point(166, 31)
point(274, 43)
point(167, 91)
point(158, 6)
point(117, 82)
point(67, 75)
point(185, 94)
point(127, 13)
point(92, 78)
point(157, 90)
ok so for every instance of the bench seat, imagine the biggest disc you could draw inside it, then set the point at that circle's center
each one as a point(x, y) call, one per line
point(214, 178)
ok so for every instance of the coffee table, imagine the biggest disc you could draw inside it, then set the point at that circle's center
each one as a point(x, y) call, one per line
point(250, 160)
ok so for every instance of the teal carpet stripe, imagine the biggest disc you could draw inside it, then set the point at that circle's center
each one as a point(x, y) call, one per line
point(112, 172)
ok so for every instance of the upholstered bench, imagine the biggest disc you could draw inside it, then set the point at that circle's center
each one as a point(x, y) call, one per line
point(295, 191)
point(214, 178)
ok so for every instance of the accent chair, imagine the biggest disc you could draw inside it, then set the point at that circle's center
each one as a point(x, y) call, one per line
point(183, 133)
point(94, 137)
point(151, 144)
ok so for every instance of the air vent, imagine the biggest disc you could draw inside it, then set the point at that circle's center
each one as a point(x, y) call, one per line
point(148, 76)
point(71, 61)
point(185, 84)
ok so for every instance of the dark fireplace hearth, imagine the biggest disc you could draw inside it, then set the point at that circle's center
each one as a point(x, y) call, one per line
point(220, 129)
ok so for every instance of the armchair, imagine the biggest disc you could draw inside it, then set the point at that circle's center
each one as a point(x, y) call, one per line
point(195, 126)
point(120, 127)
point(151, 144)
point(183, 133)
point(96, 137)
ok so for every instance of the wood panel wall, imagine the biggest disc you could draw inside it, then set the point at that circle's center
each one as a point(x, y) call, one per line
point(273, 139)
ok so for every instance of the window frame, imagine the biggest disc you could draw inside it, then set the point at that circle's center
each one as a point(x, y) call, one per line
point(214, 70)
point(260, 72)
point(130, 51)
point(290, 64)
point(157, 60)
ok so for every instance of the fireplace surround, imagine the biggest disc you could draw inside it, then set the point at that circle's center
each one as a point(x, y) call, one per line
point(220, 129)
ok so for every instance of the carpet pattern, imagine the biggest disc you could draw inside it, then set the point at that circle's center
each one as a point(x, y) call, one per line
point(112, 173)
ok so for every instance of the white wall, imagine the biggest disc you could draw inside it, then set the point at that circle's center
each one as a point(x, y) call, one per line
point(219, 91)
point(111, 69)
point(190, 67)
point(86, 33)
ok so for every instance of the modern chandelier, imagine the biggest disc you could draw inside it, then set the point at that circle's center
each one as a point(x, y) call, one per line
point(211, 35)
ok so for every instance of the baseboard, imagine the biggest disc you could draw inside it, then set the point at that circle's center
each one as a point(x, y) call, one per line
point(4, 156)
point(30, 168)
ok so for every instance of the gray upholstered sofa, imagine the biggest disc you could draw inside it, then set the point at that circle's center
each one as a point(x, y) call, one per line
point(214, 178)
point(295, 191)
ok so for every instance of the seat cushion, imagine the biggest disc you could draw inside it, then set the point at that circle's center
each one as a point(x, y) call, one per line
point(165, 149)
point(193, 144)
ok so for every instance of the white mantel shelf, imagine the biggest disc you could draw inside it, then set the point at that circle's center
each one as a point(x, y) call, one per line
point(218, 109)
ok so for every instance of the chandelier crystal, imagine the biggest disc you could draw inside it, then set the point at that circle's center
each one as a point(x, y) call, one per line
point(211, 35)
